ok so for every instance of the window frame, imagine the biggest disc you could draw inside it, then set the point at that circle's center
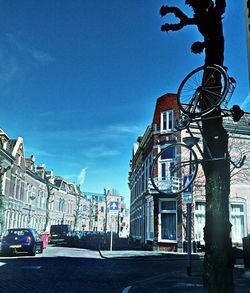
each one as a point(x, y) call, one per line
point(202, 214)
point(162, 212)
point(167, 117)
point(150, 220)
point(243, 215)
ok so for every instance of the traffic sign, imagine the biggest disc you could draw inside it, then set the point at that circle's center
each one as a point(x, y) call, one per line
point(187, 193)
point(113, 207)
point(187, 198)
point(186, 180)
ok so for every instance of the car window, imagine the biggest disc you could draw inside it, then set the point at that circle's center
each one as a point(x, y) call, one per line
point(36, 235)
point(18, 233)
point(11, 234)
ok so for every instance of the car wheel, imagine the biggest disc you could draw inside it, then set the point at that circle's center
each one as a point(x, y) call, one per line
point(5, 253)
point(33, 251)
point(41, 249)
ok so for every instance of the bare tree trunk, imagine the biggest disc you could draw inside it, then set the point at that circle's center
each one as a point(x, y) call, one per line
point(48, 201)
point(218, 261)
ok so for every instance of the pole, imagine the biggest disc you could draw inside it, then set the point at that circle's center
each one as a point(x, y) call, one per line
point(111, 234)
point(189, 250)
point(106, 192)
point(190, 142)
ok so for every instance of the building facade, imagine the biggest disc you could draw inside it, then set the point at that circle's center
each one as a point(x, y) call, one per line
point(32, 196)
point(158, 221)
point(101, 219)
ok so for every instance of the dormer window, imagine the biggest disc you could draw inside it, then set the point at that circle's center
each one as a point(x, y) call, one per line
point(63, 186)
point(167, 118)
point(5, 145)
point(19, 160)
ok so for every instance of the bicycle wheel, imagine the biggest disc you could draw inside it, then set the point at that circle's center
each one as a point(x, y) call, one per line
point(174, 169)
point(202, 90)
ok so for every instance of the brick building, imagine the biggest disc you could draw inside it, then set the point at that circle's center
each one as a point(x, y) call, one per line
point(158, 221)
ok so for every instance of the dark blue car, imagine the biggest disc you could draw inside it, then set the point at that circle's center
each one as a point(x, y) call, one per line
point(19, 240)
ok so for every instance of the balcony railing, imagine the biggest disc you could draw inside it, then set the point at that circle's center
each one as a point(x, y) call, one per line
point(166, 185)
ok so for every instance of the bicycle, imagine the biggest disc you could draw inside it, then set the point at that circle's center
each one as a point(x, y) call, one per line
point(175, 167)
point(205, 89)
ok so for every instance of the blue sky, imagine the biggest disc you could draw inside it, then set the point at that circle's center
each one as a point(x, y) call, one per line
point(79, 79)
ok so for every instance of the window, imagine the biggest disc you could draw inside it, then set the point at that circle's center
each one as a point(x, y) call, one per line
point(166, 161)
point(167, 118)
point(29, 190)
point(168, 220)
point(22, 191)
point(42, 199)
point(18, 183)
point(38, 198)
point(12, 185)
point(199, 220)
point(237, 219)
point(51, 202)
point(63, 186)
point(61, 205)
point(150, 220)
point(19, 159)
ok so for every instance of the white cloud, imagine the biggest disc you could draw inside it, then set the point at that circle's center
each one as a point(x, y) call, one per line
point(123, 128)
point(22, 47)
point(106, 133)
point(9, 70)
point(42, 57)
point(82, 176)
point(36, 152)
point(100, 152)
point(17, 58)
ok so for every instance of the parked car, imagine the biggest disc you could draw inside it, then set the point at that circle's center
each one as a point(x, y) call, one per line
point(75, 236)
point(19, 240)
point(59, 233)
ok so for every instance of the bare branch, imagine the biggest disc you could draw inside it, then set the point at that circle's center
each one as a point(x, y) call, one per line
point(184, 19)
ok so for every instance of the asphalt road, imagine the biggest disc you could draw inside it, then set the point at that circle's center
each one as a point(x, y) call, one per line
point(63, 269)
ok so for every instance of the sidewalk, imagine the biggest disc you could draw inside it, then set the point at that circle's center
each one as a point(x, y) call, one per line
point(176, 282)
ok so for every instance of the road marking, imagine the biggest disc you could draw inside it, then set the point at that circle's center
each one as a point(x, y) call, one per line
point(31, 267)
point(126, 290)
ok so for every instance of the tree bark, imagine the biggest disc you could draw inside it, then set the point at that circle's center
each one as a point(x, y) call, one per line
point(218, 262)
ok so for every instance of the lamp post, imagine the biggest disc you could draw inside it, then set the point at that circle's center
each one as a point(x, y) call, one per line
point(189, 141)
